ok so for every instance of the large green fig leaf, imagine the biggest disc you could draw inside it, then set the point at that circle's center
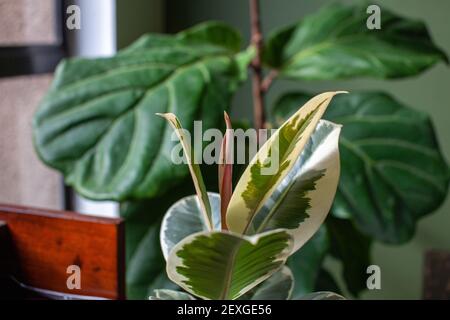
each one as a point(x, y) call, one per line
point(304, 197)
point(145, 269)
point(184, 218)
point(392, 171)
point(353, 250)
point(336, 43)
point(222, 265)
point(97, 123)
point(307, 262)
point(272, 163)
point(326, 282)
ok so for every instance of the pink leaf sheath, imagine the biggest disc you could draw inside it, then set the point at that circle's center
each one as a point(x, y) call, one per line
point(226, 171)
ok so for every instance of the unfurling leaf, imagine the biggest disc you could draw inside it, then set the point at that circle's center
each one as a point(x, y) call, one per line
point(226, 170)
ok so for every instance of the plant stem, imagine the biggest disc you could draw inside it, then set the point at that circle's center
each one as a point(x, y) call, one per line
point(267, 82)
point(259, 117)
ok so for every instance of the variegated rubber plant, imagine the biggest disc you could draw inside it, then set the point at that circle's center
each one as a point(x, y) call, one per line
point(235, 244)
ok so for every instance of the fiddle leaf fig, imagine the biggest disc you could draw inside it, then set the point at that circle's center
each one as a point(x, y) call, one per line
point(392, 170)
point(335, 43)
point(145, 269)
point(352, 248)
point(97, 122)
point(306, 263)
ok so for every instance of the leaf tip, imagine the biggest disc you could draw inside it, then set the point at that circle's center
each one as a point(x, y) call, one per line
point(227, 119)
point(163, 115)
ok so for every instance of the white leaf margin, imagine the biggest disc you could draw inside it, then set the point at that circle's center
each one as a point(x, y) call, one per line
point(214, 199)
point(321, 152)
point(174, 261)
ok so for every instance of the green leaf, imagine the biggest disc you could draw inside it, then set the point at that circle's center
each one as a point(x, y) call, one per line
point(97, 124)
point(272, 163)
point(303, 199)
point(214, 33)
point(222, 265)
point(138, 222)
point(392, 170)
point(184, 218)
point(335, 43)
point(326, 282)
point(277, 287)
point(141, 218)
point(322, 295)
point(353, 249)
point(306, 263)
point(165, 294)
point(145, 270)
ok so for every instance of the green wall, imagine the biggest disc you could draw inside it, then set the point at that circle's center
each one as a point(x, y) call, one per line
point(135, 17)
point(401, 266)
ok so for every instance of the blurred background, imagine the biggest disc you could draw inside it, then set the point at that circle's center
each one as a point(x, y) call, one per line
point(33, 40)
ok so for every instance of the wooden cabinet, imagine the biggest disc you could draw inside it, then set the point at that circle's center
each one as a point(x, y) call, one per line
point(47, 252)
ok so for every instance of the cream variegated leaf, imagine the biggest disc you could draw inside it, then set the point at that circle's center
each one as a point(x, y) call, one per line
point(166, 294)
point(194, 168)
point(272, 164)
point(184, 218)
point(224, 265)
point(303, 199)
point(322, 295)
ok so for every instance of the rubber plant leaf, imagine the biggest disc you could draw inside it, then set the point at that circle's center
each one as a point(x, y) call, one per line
point(222, 265)
point(272, 164)
point(194, 168)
